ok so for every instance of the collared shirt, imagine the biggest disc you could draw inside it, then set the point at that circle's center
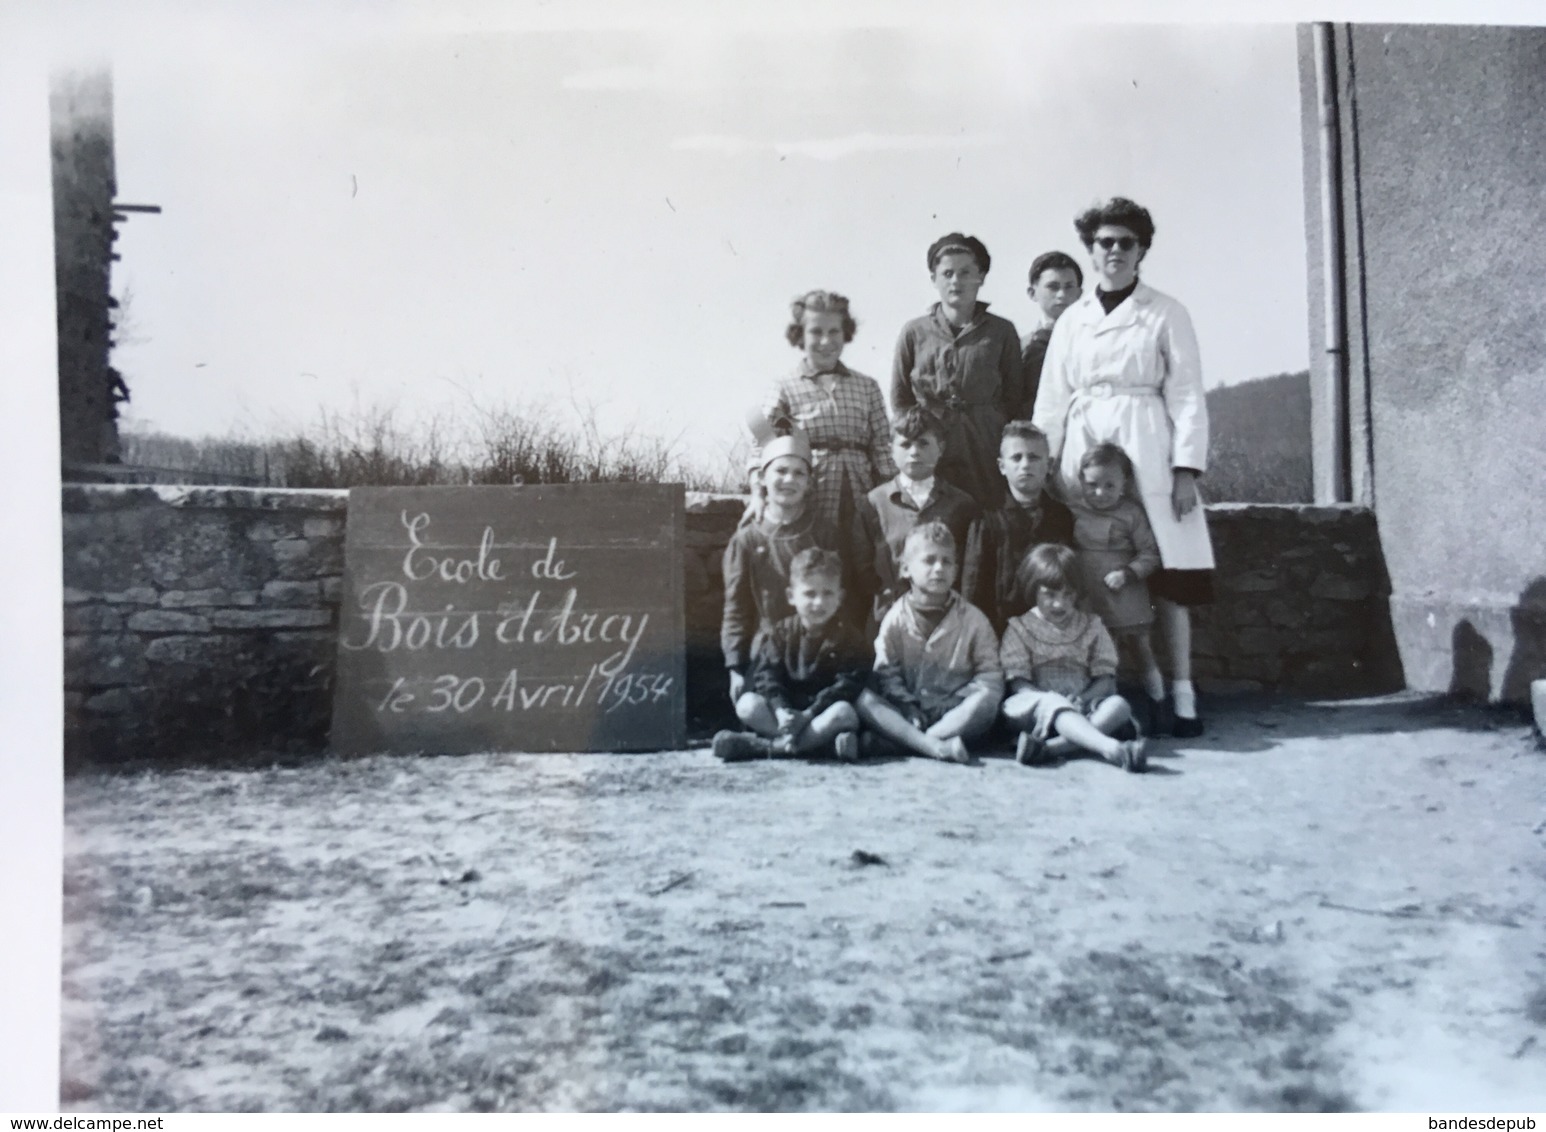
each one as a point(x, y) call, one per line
point(970, 378)
point(890, 512)
point(848, 429)
point(919, 491)
point(930, 668)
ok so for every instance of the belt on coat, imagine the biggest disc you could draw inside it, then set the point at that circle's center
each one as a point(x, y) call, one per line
point(840, 446)
point(1103, 390)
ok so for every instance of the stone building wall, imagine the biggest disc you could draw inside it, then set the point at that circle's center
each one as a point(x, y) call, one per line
point(1443, 142)
point(200, 623)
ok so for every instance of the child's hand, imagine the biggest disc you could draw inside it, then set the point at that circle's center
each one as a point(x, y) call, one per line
point(1183, 492)
point(788, 721)
point(737, 684)
point(1116, 579)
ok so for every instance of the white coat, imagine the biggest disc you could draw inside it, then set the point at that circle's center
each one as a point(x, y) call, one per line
point(1132, 377)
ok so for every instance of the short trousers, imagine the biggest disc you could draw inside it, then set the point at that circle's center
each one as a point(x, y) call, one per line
point(1040, 709)
point(933, 713)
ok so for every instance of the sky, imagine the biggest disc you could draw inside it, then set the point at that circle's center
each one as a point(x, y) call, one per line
point(438, 218)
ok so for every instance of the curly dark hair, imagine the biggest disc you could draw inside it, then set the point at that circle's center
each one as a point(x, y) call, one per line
point(916, 422)
point(1118, 211)
point(819, 302)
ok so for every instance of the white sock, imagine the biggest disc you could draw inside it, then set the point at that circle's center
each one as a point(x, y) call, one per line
point(1154, 684)
point(1186, 699)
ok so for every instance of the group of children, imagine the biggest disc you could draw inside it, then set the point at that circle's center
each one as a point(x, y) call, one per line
point(1023, 638)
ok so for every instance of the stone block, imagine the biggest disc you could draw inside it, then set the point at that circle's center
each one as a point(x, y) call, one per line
point(193, 599)
point(204, 649)
point(135, 595)
point(307, 558)
point(168, 621)
point(74, 596)
point(92, 619)
point(1255, 642)
point(1285, 614)
point(1207, 641)
point(114, 701)
point(1340, 587)
point(103, 659)
point(1207, 667)
point(270, 528)
point(292, 593)
point(1251, 581)
point(1265, 669)
point(322, 527)
point(333, 589)
point(271, 618)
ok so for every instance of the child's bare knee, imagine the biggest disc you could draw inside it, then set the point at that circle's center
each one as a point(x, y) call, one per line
point(866, 704)
point(843, 715)
point(750, 706)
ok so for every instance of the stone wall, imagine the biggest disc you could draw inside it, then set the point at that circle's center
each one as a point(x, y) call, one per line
point(200, 623)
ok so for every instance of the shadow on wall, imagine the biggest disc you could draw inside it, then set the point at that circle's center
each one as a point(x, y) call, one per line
point(1528, 663)
point(1474, 655)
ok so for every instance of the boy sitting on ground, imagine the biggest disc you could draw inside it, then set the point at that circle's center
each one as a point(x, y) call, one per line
point(805, 673)
point(914, 497)
point(1061, 666)
point(1001, 538)
point(757, 558)
point(937, 677)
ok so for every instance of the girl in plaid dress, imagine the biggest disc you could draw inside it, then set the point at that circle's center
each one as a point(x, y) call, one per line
point(842, 413)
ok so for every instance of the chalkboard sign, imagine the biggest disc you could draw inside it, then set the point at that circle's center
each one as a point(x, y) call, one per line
point(544, 618)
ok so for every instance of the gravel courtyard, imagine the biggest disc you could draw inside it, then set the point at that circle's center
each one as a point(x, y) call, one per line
point(1317, 906)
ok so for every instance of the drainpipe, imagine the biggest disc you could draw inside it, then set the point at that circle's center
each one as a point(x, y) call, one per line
point(1335, 389)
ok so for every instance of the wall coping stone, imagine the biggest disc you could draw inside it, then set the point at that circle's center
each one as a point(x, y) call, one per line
point(107, 497)
point(119, 497)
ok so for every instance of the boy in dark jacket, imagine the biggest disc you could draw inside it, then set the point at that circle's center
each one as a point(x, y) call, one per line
point(806, 670)
point(1001, 538)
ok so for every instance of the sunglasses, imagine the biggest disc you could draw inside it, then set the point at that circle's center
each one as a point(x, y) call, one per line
point(1122, 243)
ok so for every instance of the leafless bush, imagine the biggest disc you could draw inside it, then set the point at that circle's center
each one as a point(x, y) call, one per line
point(479, 444)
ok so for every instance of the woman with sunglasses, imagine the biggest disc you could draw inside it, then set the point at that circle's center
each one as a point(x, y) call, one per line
point(1123, 368)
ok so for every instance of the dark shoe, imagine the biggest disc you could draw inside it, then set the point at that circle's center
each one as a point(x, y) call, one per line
point(876, 746)
point(1185, 728)
point(1161, 717)
point(1134, 759)
point(740, 747)
point(1127, 732)
point(846, 747)
point(1029, 750)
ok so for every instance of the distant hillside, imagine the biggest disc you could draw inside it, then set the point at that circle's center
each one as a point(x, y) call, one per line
point(1260, 441)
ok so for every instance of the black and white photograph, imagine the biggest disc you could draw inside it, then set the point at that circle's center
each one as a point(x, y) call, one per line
point(809, 558)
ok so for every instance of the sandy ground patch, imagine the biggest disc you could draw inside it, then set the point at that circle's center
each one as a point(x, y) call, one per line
point(1314, 907)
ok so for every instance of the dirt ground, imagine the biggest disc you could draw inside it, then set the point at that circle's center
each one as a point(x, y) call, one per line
point(1323, 906)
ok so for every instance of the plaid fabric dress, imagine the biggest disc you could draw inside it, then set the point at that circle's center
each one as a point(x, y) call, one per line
point(849, 432)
